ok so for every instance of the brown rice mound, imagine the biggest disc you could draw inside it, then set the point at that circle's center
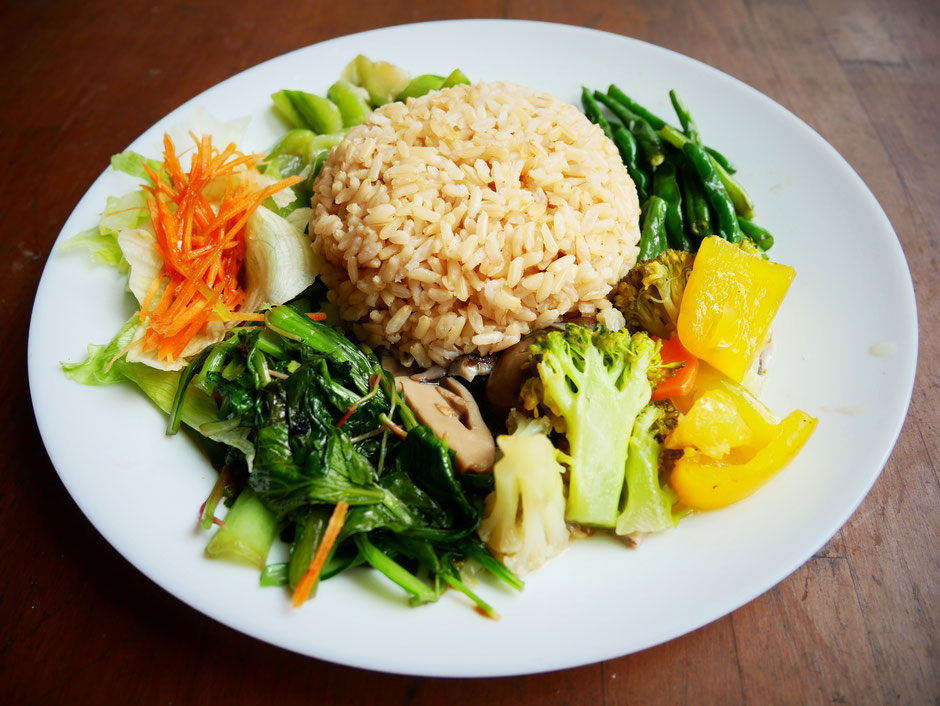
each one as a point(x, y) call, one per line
point(460, 221)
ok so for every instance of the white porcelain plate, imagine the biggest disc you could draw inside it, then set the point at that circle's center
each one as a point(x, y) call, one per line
point(600, 600)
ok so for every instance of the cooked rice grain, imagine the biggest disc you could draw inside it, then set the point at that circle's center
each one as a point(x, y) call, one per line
point(458, 222)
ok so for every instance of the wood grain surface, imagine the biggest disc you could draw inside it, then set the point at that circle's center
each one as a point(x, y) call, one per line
point(858, 623)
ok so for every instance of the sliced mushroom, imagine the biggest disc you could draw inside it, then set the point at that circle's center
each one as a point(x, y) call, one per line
point(506, 378)
point(432, 374)
point(452, 413)
point(470, 365)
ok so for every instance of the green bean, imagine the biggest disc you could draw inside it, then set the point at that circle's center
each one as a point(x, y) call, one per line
point(728, 226)
point(761, 236)
point(626, 144)
point(685, 118)
point(653, 232)
point(739, 197)
point(456, 78)
point(674, 136)
point(721, 159)
point(351, 101)
point(628, 102)
point(648, 140)
point(593, 111)
point(420, 86)
point(697, 213)
point(666, 187)
point(658, 123)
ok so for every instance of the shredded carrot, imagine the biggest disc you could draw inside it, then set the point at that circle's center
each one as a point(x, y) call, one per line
point(203, 247)
point(309, 580)
point(317, 315)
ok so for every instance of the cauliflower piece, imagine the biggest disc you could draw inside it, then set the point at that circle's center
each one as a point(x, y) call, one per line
point(524, 523)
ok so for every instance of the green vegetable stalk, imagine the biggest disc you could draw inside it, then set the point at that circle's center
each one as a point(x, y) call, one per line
point(248, 533)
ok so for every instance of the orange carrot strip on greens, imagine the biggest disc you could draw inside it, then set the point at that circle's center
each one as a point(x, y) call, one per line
point(312, 575)
point(148, 297)
point(203, 248)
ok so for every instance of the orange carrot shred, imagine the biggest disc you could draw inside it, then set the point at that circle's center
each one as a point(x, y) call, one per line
point(203, 249)
point(309, 580)
point(317, 315)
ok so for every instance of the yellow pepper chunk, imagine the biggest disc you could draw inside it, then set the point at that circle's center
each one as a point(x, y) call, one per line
point(729, 302)
point(705, 483)
point(755, 413)
point(713, 426)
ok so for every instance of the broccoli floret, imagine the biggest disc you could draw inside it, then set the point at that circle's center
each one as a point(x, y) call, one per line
point(666, 421)
point(594, 382)
point(648, 506)
point(524, 523)
point(650, 295)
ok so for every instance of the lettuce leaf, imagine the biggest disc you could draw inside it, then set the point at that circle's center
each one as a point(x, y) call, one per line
point(130, 162)
point(101, 242)
point(106, 365)
point(279, 262)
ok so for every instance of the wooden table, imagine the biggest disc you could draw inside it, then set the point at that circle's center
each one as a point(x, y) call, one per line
point(858, 623)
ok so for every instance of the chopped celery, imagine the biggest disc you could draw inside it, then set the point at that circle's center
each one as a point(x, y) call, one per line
point(286, 108)
point(352, 102)
point(382, 80)
point(456, 77)
point(306, 110)
point(421, 85)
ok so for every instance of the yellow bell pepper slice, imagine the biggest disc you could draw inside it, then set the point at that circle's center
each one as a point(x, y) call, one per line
point(729, 302)
point(705, 483)
point(755, 413)
point(713, 426)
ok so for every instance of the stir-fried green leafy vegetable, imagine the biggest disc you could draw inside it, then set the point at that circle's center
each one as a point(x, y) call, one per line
point(317, 421)
point(328, 426)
